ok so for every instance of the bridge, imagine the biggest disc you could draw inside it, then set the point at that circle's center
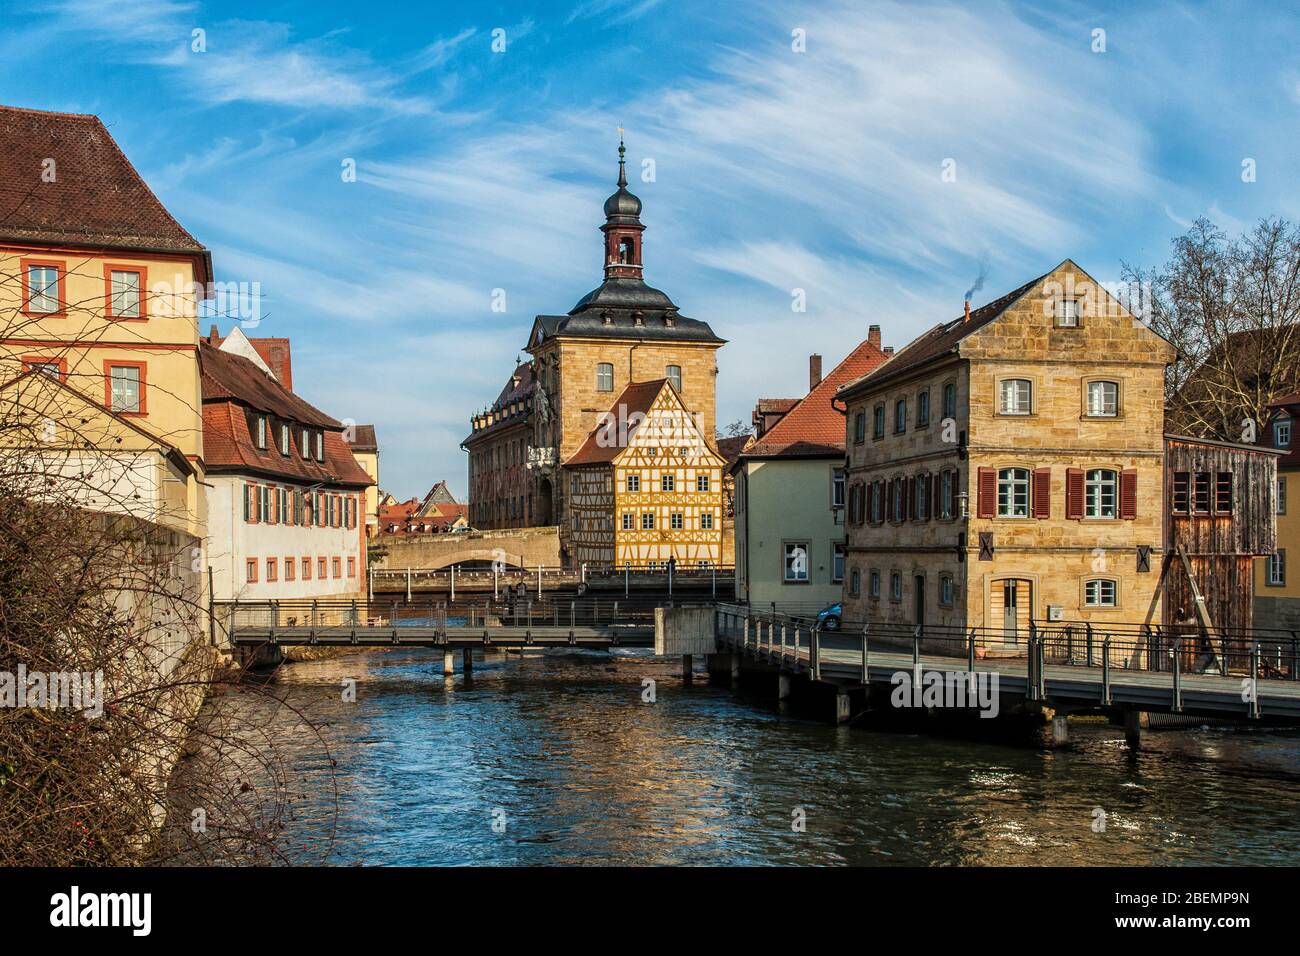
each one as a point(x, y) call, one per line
point(1058, 669)
point(711, 582)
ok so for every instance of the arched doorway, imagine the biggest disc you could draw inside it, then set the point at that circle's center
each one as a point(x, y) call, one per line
point(545, 503)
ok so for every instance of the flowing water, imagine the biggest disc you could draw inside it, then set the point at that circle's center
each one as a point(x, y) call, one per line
point(555, 758)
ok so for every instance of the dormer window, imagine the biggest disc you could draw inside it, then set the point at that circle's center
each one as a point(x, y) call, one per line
point(261, 432)
point(1282, 433)
point(306, 444)
point(638, 319)
point(320, 446)
point(284, 439)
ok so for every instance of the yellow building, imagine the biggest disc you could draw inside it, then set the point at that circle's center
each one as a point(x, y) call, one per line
point(99, 287)
point(365, 449)
point(621, 333)
point(1007, 465)
point(645, 488)
point(1277, 587)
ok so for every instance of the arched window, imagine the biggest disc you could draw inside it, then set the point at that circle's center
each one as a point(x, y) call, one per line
point(1103, 399)
point(627, 250)
point(1100, 592)
point(604, 377)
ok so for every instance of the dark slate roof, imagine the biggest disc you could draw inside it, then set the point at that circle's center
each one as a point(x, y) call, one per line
point(363, 438)
point(942, 339)
point(624, 292)
point(510, 393)
point(96, 199)
point(618, 299)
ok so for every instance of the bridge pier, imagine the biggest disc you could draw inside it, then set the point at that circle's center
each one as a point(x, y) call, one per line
point(1060, 731)
point(467, 661)
point(843, 708)
point(448, 662)
point(1133, 729)
point(688, 668)
point(784, 680)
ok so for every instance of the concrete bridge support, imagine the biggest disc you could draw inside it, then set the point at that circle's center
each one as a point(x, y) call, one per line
point(467, 661)
point(1133, 728)
point(783, 685)
point(1060, 731)
point(448, 662)
point(843, 707)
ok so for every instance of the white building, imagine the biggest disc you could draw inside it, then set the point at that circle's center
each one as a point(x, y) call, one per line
point(286, 497)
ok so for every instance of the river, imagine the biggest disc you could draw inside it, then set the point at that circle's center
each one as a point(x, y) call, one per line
point(555, 758)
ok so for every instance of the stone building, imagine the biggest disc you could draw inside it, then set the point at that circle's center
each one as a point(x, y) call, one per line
point(621, 333)
point(1007, 465)
point(1277, 586)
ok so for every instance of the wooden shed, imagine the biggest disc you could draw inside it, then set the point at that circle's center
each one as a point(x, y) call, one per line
point(1220, 514)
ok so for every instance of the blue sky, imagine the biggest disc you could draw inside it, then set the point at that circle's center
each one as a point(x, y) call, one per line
point(774, 169)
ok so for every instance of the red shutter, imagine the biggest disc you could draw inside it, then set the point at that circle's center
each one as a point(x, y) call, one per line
point(1128, 494)
point(1074, 493)
point(988, 493)
point(1042, 492)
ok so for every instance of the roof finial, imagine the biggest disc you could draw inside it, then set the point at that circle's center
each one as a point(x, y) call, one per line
point(622, 152)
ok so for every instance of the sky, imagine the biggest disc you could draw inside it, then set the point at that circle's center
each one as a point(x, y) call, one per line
point(881, 157)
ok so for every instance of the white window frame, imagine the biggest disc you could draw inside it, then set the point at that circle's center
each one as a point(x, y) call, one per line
point(674, 375)
point(790, 573)
point(1094, 592)
point(633, 482)
point(1011, 391)
point(1011, 482)
point(647, 521)
point(38, 295)
point(667, 482)
point(604, 377)
point(118, 386)
point(702, 483)
point(706, 520)
point(1067, 313)
point(1098, 408)
point(119, 292)
point(1096, 484)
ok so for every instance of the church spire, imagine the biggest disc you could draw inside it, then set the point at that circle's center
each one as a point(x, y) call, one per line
point(622, 226)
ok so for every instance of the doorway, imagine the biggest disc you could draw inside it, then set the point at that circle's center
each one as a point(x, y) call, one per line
point(1011, 601)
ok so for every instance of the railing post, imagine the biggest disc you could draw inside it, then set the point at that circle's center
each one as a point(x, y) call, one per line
point(453, 582)
point(970, 651)
point(234, 615)
point(1088, 626)
point(495, 576)
point(1176, 705)
point(1031, 664)
point(408, 585)
point(1254, 680)
point(866, 671)
point(275, 618)
point(1105, 671)
point(916, 649)
point(370, 584)
point(1295, 658)
point(539, 582)
point(354, 620)
point(627, 580)
point(815, 651)
point(713, 572)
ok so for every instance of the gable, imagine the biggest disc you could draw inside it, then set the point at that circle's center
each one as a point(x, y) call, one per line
point(666, 429)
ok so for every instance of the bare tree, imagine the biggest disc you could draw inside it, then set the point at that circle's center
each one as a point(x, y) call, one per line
point(1230, 307)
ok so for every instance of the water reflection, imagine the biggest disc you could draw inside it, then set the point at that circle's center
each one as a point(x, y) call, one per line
point(561, 748)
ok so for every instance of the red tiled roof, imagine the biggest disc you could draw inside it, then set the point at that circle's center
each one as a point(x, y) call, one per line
point(232, 383)
point(405, 515)
point(226, 375)
point(275, 352)
point(814, 426)
point(363, 438)
point(635, 397)
point(96, 198)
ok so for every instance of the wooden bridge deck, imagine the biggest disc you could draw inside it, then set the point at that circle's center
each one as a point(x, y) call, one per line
point(498, 635)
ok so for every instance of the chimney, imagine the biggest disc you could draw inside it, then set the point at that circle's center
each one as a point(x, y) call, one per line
point(873, 335)
point(967, 318)
point(213, 335)
point(814, 371)
point(888, 350)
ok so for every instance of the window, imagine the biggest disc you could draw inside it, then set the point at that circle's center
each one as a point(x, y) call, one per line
point(796, 562)
point(945, 590)
point(604, 377)
point(899, 487)
point(878, 501)
point(53, 369)
point(837, 488)
point(855, 582)
point(1099, 593)
point(284, 440)
point(701, 482)
point(874, 584)
point(675, 521)
point(837, 563)
point(352, 566)
point(250, 570)
point(895, 586)
point(1013, 493)
point(320, 569)
point(306, 569)
point(625, 247)
point(44, 287)
point(1281, 496)
point(1277, 568)
point(945, 495)
point(674, 375)
point(126, 388)
point(923, 408)
point(272, 567)
point(1099, 493)
point(921, 484)
point(261, 431)
point(860, 427)
point(1103, 399)
point(1181, 493)
point(337, 566)
point(647, 521)
point(263, 503)
point(706, 520)
point(306, 444)
point(125, 293)
point(320, 446)
point(950, 400)
point(1223, 493)
point(633, 482)
point(900, 416)
point(1201, 493)
point(627, 521)
point(1282, 433)
point(1014, 396)
point(878, 422)
point(666, 482)
point(290, 568)
point(1067, 313)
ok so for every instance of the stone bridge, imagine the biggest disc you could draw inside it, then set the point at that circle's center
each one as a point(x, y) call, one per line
point(515, 547)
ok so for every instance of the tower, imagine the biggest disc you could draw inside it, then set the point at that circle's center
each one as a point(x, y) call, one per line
point(622, 226)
